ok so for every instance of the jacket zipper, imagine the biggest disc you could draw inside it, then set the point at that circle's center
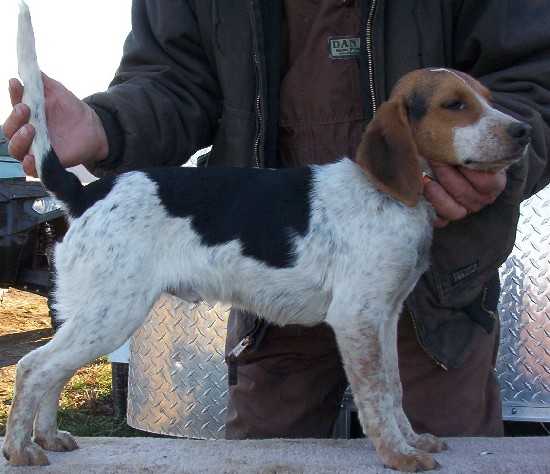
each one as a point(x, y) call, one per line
point(370, 53)
point(240, 347)
point(437, 361)
point(259, 124)
point(247, 341)
point(259, 87)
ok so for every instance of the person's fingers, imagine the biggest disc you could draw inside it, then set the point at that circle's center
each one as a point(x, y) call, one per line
point(459, 188)
point(47, 80)
point(19, 116)
point(29, 166)
point(489, 184)
point(16, 91)
point(445, 206)
point(439, 222)
point(20, 143)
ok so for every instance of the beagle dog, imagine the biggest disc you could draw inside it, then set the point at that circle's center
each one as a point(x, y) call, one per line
point(343, 244)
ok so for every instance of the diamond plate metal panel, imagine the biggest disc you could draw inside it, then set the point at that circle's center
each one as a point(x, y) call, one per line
point(177, 382)
point(523, 365)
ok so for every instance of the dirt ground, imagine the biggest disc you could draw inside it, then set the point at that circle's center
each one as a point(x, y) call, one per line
point(24, 325)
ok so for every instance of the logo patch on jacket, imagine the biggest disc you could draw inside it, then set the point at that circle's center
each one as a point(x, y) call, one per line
point(463, 273)
point(344, 47)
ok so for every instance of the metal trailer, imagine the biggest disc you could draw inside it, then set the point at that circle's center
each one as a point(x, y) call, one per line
point(523, 366)
point(178, 380)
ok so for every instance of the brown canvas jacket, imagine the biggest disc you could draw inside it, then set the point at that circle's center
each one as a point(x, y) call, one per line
point(202, 72)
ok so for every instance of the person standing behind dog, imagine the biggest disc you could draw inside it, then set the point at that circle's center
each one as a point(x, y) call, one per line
point(288, 83)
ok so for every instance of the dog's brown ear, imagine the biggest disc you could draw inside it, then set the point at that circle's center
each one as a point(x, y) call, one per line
point(388, 154)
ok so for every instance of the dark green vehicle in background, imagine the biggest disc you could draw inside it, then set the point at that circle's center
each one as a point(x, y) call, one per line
point(31, 221)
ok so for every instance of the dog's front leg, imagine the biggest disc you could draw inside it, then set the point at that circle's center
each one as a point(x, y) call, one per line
point(361, 343)
point(425, 441)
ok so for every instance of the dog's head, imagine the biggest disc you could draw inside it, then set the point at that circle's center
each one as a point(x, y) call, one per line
point(442, 116)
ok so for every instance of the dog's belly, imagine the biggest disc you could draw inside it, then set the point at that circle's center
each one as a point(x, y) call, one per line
point(305, 308)
point(286, 297)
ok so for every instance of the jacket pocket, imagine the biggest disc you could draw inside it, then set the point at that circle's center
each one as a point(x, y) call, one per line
point(447, 331)
point(483, 309)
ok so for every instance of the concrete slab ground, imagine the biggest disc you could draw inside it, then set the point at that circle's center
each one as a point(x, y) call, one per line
point(166, 456)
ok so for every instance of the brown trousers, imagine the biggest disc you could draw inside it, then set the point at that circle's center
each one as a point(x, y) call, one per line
point(292, 385)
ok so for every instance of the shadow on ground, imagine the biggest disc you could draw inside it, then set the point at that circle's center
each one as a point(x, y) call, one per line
point(14, 346)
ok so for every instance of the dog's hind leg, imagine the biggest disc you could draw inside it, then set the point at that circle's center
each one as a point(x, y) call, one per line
point(41, 374)
point(18, 447)
point(46, 433)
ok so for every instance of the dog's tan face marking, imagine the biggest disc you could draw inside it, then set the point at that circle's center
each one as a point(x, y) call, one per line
point(442, 116)
point(450, 104)
point(459, 126)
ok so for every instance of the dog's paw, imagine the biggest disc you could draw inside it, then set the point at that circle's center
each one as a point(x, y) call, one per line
point(61, 441)
point(429, 443)
point(413, 461)
point(28, 455)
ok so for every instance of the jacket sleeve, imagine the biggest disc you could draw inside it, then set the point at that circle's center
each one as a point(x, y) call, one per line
point(506, 45)
point(164, 102)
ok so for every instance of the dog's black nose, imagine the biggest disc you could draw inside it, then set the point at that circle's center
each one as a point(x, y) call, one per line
point(521, 132)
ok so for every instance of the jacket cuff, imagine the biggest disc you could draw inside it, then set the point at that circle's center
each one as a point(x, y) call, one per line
point(115, 139)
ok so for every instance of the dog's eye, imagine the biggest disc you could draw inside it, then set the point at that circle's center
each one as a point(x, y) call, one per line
point(454, 105)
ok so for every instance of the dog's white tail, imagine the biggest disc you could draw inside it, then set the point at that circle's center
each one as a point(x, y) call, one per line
point(34, 89)
point(64, 185)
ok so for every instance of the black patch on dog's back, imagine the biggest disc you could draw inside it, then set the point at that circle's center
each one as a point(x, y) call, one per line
point(67, 187)
point(262, 208)
point(96, 191)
